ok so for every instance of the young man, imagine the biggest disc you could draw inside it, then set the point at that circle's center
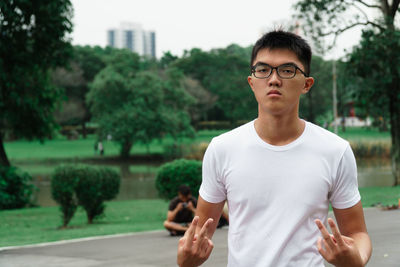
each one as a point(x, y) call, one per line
point(278, 174)
point(181, 211)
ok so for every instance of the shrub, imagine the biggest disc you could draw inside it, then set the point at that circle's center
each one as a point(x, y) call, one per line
point(86, 186)
point(370, 149)
point(188, 151)
point(94, 187)
point(15, 188)
point(171, 175)
point(63, 184)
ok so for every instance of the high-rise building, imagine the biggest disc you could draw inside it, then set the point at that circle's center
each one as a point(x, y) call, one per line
point(133, 37)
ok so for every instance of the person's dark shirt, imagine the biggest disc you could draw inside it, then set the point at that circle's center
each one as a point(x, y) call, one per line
point(185, 215)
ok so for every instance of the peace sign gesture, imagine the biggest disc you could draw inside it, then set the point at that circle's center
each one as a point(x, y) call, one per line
point(194, 249)
point(337, 249)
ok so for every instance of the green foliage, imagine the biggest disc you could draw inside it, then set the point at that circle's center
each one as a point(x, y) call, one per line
point(86, 186)
point(222, 72)
point(138, 107)
point(318, 100)
point(73, 80)
point(15, 188)
point(374, 62)
point(63, 184)
point(94, 187)
point(173, 174)
point(32, 41)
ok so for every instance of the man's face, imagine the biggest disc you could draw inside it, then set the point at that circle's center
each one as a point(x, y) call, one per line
point(275, 95)
point(184, 198)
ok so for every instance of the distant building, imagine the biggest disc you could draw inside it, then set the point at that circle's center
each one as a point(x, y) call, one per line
point(133, 37)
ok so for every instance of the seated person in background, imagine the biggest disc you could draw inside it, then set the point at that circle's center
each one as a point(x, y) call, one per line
point(181, 211)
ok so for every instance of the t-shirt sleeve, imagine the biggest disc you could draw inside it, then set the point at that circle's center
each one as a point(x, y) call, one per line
point(345, 192)
point(212, 189)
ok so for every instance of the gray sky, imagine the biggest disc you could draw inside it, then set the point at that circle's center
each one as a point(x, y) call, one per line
point(185, 24)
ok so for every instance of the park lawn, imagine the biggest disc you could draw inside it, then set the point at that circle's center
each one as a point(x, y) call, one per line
point(37, 225)
point(41, 224)
point(372, 196)
point(364, 134)
point(61, 148)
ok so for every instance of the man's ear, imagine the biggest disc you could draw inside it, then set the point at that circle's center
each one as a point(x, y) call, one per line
point(307, 85)
point(250, 81)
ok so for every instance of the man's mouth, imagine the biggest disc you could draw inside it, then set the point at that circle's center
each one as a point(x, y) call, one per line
point(274, 92)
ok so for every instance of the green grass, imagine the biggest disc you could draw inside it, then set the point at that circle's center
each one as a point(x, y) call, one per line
point(36, 225)
point(62, 148)
point(363, 134)
point(384, 195)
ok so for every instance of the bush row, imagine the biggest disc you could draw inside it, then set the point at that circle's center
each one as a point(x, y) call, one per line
point(370, 149)
point(15, 188)
point(87, 186)
point(173, 174)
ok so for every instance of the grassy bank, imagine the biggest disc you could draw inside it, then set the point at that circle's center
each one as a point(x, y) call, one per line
point(36, 225)
point(62, 148)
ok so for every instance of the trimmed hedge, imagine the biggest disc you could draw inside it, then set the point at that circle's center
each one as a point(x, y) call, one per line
point(15, 188)
point(86, 186)
point(173, 174)
point(63, 184)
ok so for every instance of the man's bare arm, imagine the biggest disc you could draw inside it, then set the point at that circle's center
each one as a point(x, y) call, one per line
point(351, 223)
point(206, 210)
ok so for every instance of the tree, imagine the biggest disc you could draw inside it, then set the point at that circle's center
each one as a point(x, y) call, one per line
point(316, 104)
point(74, 79)
point(222, 72)
point(32, 40)
point(141, 108)
point(376, 57)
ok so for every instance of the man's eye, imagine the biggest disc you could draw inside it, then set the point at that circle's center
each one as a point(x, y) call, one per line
point(287, 70)
point(262, 70)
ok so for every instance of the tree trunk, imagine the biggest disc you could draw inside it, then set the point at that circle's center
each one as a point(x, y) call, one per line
point(395, 133)
point(125, 149)
point(394, 109)
point(84, 130)
point(3, 156)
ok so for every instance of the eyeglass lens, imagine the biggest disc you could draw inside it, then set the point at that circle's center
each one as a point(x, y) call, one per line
point(284, 71)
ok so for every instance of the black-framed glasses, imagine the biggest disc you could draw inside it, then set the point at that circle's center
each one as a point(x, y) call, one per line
point(285, 71)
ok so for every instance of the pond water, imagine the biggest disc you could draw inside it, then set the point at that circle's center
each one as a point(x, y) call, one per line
point(138, 181)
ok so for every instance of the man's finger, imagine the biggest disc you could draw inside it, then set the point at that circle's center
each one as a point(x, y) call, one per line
point(189, 235)
point(321, 250)
point(202, 236)
point(325, 234)
point(335, 231)
point(204, 229)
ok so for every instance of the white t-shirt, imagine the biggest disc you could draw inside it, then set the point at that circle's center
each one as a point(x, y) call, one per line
point(275, 193)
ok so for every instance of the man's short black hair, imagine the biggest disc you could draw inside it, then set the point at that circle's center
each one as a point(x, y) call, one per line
point(184, 190)
point(279, 39)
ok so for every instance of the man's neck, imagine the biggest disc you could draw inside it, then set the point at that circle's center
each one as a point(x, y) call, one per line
point(279, 130)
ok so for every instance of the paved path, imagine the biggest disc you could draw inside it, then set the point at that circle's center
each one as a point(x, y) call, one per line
point(152, 249)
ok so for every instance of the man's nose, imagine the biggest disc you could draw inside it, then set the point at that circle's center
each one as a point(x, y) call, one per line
point(274, 79)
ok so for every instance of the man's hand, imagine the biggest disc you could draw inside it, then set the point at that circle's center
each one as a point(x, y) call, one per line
point(191, 207)
point(337, 249)
point(179, 206)
point(195, 249)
